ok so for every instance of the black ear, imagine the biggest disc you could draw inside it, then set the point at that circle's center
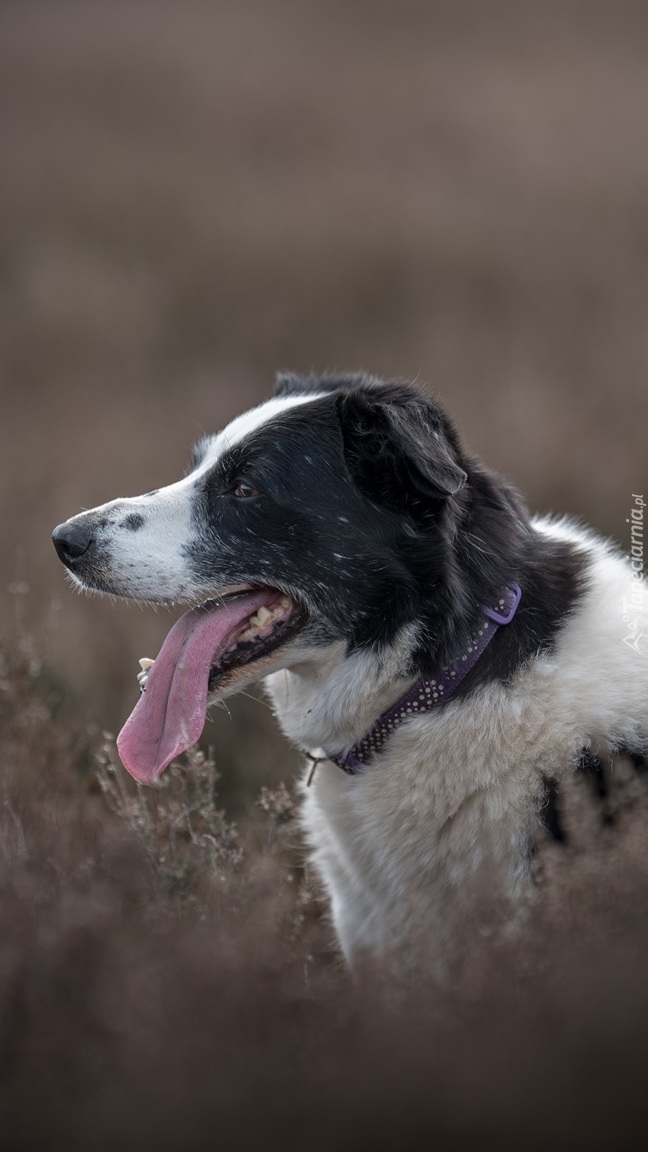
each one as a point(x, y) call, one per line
point(399, 446)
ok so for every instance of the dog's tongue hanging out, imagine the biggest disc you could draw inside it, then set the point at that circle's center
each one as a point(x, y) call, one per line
point(170, 715)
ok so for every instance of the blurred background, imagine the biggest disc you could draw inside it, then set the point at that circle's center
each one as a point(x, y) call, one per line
point(194, 195)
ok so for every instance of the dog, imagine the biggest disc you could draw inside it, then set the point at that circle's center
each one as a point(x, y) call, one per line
point(443, 659)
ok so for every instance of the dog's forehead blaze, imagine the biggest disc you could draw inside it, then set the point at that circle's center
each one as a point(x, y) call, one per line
point(247, 423)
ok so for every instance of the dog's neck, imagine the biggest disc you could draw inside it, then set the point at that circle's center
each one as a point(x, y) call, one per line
point(331, 698)
point(327, 700)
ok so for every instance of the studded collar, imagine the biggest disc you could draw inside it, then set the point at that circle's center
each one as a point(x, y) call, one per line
point(429, 693)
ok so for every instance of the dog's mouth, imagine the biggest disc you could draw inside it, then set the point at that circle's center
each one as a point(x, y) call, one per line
point(267, 629)
point(203, 654)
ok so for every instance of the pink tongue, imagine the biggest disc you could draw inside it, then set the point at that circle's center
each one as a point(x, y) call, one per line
point(170, 715)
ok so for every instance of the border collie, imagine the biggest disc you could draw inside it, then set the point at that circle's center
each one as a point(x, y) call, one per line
point(444, 659)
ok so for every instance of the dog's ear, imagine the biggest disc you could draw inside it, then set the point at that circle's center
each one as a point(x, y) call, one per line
point(292, 384)
point(399, 446)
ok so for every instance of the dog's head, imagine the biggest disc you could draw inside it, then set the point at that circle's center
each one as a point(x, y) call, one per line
point(326, 515)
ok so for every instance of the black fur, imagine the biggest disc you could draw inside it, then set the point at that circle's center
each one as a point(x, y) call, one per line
point(368, 495)
point(366, 509)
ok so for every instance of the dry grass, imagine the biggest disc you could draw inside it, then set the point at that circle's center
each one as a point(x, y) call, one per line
point(166, 977)
point(177, 818)
point(193, 195)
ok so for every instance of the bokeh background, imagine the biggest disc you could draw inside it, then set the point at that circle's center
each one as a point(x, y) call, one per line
point(193, 195)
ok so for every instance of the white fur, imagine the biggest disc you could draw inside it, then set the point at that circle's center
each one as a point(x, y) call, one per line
point(454, 787)
point(248, 422)
point(151, 563)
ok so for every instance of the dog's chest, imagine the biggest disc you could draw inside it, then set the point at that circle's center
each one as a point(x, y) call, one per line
point(422, 820)
point(460, 788)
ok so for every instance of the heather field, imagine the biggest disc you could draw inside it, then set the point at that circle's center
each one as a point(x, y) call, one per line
point(194, 195)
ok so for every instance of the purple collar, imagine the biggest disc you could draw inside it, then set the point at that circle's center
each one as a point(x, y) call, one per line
point(427, 694)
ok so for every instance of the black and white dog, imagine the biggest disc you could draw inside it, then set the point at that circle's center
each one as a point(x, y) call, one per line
point(442, 654)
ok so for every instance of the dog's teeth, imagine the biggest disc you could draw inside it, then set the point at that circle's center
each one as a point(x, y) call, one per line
point(259, 625)
point(145, 664)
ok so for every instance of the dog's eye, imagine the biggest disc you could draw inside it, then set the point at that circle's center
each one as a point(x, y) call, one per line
point(245, 491)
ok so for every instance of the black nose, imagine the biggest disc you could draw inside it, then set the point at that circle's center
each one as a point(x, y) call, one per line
point(71, 542)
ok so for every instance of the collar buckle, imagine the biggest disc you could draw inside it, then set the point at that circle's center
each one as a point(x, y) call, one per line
point(507, 605)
